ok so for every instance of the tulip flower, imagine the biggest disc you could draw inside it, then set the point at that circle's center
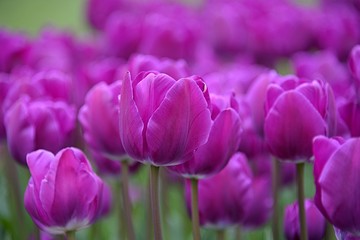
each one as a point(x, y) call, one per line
point(315, 221)
point(222, 196)
point(336, 179)
point(63, 194)
point(99, 117)
point(32, 125)
point(162, 121)
point(295, 114)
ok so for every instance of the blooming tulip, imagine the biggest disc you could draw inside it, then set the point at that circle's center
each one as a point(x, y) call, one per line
point(295, 114)
point(163, 120)
point(31, 125)
point(336, 179)
point(314, 219)
point(63, 193)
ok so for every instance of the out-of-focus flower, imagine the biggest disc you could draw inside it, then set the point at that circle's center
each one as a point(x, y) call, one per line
point(258, 203)
point(221, 197)
point(32, 125)
point(99, 117)
point(350, 114)
point(223, 141)
point(315, 221)
point(162, 121)
point(143, 63)
point(63, 193)
point(295, 113)
point(336, 179)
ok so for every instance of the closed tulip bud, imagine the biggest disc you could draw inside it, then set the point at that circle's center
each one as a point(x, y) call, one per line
point(222, 196)
point(32, 125)
point(99, 117)
point(295, 113)
point(163, 120)
point(314, 219)
point(63, 193)
point(336, 169)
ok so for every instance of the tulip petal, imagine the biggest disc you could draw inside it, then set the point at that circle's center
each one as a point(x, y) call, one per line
point(131, 125)
point(66, 191)
point(290, 126)
point(180, 124)
point(150, 92)
point(339, 181)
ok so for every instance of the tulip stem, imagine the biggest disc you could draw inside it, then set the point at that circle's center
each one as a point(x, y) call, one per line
point(70, 235)
point(275, 189)
point(221, 234)
point(129, 229)
point(154, 187)
point(15, 191)
point(120, 211)
point(195, 209)
point(301, 199)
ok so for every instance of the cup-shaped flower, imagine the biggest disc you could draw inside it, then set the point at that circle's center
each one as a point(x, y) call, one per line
point(223, 141)
point(99, 117)
point(63, 193)
point(295, 114)
point(32, 125)
point(315, 221)
point(163, 120)
point(336, 177)
point(222, 196)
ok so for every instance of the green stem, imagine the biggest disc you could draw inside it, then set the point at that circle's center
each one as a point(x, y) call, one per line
point(276, 208)
point(220, 234)
point(154, 186)
point(15, 191)
point(195, 209)
point(129, 230)
point(329, 231)
point(301, 199)
point(164, 190)
point(70, 235)
point(121, 219)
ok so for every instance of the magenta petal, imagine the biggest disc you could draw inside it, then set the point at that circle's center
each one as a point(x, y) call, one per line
point(272, 93)
point(340, 198)
point(131, 125)
point(291, 125)
point(66, 190)
point(39, 162)
point(150, 92)
point(180, 124)
point(315, 94)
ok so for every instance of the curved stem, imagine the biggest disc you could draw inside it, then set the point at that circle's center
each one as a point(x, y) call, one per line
point(70, 235)
point(301, 199)
point(154, 187)
point(126, 201)
point(195, 209)
point(275, 188)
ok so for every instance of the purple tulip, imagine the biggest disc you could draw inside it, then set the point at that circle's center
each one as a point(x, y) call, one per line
point(63, 193)
point(350, 114)
point(31, 125)
point(221, 197)
point(13, 50)
point(336, 179)
point(99, 117)
point(295, 114)
point(222, 143)
point(315, 221)
point(98, 11)
point(258, 203)
point(143, 63)
point(5, 84)
point(162, 121)
point(324, 65)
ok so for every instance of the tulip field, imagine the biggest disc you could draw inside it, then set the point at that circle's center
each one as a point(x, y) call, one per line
point(179, 120)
